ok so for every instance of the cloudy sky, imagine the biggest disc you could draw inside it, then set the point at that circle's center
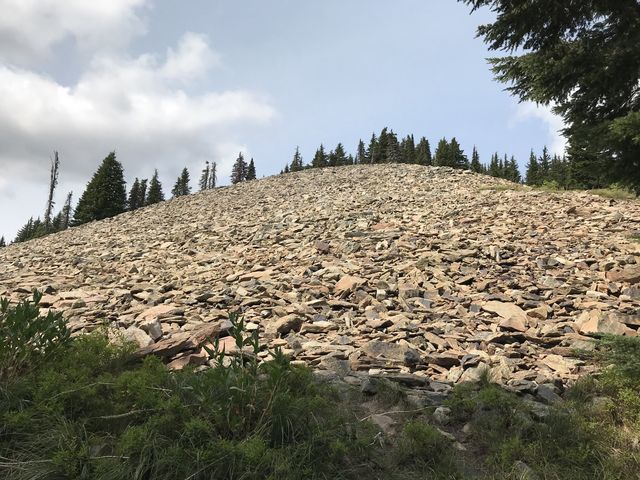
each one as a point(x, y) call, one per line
point(168, 84)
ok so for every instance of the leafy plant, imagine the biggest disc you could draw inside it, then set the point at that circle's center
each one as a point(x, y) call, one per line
point(27, 336)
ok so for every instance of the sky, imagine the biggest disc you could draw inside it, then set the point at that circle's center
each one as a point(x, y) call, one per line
point(168, 84)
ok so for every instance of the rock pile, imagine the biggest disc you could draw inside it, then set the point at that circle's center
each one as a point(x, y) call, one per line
point(427, 275)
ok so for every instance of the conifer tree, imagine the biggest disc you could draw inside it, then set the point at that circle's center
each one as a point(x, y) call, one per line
point(155, 194)
point(423, 152)
point(494, 166)
point(32, 229)
point(296, 163)
point(544, 163)
point(408, 147)
point(286, 168)
point(532, 175)
point(512, 170)
point(66, 212)
point(320, 158)
point(476, 166)
point(441, 157)
point(392, 152)
point(134, 195)
point(53, 182)
point(2, 242)
point(143, 192)
point(373, 146)
point(181, 187)
point(204, 177)
point(457, 157)
point(361, 154)
point(105, 195)
point(239, 170)
point(251, 171)
point(213, 175)
point(339, 156)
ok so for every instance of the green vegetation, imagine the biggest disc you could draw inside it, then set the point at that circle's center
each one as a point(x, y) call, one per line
point(84, 408)
point(181, 187)
point(583, 60)
point(592, 434)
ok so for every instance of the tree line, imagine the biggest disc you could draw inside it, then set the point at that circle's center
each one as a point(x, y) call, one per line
point(554, 170)
point(106, 196)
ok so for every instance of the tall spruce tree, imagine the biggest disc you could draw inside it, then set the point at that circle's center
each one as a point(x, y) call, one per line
point(494, 166)
point(204, 177)
point(532, 175)
point(3, 243)
point(423, 152)
point(457, 157)
point(408, 147)
point(105, 195)
point(441, 157)
point(239, 170)
point(182, 187)
point(373, 147)
point(213, 175)
point(544, 162)
point(53, 182)
point(296, 163)
point(155, 195)
point(251, 171)
point(512, 172)
point(134, 195)
point(476, 166)
point(66, 212)
point(320, 159)
point(339, 156)
point(361, 154)
point(582, 58)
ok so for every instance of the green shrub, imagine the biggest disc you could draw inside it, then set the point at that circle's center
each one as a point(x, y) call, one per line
point(28, 337)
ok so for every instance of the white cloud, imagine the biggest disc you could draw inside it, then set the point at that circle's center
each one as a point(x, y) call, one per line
point(554, 123)
point(30, 28)
point(137, 106)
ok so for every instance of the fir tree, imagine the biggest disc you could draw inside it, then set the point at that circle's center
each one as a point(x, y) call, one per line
point(532, 175)
point(251, 171)
point(476, 166)
point(66, 212)
point(339, 156)
point(155, 194)
point(545, 163)
point(392, 152)
point(494, 166)
point(457, 157)
point(105, 195)
point(286, 168)
point(423, 152)
point(213, 175)
point(2, 242)
point(320, 159)
point(239, 170)
point(408, 148)
point(296, 163)
point(32, 229)
point(442, 156)
point(373, 146)
point(361, 154)
point(134, 195)
point(181, 187)
point(53, 182)
point(204, 177)
point(512, 170)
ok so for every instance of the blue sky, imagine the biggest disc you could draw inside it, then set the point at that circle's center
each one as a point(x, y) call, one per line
point(168, 84)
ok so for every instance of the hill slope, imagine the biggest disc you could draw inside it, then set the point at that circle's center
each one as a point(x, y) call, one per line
point(381, 269)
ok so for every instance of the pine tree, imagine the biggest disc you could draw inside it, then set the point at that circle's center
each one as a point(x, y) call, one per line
point(339, 156)
point(532, 175)
point(423, 152)
point(320, 159)
point(155, 194)
point(494, 166)
point(239, 170)
point(476, 166)
point(66, 212)
point(544, 163)
point(2, 242)
point(296, 163)
point(442, 156)
point(373, 146)
point(512, 170)
point(251, 171)
point(204, 177)
point(392, 153)
point(286, 168)
point(361, 154)
point(142, 199)
point(181, 187)
point(213, 175)
point(457, 157)
point(53, 182)
point(32, 229)
point(408, 147)
point(105, 195)
point(134, 195)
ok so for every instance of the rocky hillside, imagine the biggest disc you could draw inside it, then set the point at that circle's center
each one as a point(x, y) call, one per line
point(425, 274)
